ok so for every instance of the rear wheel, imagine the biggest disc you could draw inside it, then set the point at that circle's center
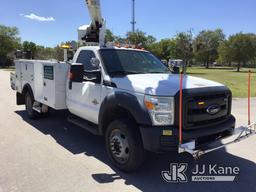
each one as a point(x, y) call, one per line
point(29, 102)
point(124, 145)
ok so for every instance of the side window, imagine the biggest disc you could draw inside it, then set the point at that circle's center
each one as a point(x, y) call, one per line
point(85, 58)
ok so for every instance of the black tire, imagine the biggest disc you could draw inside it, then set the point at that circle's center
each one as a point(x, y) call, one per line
point(29, 101)
point(133, 155)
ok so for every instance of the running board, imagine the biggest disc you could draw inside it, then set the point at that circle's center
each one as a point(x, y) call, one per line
point(240, 134)
point(92, 128)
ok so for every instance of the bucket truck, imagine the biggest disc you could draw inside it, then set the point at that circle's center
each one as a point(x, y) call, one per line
point(129, 97)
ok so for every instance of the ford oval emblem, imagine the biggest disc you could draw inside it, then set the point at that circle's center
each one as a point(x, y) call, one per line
point(213, 109)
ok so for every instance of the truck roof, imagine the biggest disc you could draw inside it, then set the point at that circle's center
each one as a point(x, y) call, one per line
point(96, 48)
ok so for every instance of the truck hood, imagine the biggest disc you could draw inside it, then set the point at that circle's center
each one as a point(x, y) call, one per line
point(160, 84)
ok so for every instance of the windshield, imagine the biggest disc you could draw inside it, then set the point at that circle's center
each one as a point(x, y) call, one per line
point(124, 62)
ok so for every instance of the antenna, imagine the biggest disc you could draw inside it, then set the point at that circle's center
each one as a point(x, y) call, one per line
point(133, 22)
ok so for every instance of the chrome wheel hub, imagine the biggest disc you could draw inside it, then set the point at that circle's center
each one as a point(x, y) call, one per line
point(119, 146)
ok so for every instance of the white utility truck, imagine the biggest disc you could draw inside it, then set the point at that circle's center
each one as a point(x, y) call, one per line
point(127, 95)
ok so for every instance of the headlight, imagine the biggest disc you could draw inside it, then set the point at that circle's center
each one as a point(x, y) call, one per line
point(161, 109)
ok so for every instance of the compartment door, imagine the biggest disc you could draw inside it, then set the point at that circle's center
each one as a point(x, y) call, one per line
point(49, 86)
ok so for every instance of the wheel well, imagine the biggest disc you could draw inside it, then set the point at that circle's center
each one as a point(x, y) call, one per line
point(26, 89)
point(20, 97)
point(112, 114)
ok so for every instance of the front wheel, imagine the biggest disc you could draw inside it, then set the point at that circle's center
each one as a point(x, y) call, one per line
point(124, 145)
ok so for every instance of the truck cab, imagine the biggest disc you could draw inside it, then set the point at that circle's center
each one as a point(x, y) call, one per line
point(132, 98)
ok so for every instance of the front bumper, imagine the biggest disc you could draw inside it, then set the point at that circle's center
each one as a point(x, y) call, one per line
point(155, 140)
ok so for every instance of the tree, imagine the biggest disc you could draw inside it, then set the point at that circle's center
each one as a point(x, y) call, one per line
point(137, 37)
point(164, 49)
point(119, 39)
point(184, 49)
point(242, 48)
point(45, 53)
point(58, 53)
point(29, 47)
point(253, 39)
point(225, 53)
point(150, 40)
point(9, 41)
point(206, 45)
point(140, 38)
point(109, 36)
point(179, 47)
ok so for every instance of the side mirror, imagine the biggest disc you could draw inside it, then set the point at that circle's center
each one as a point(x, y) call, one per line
point(176, 70)
point(95, 62)
point(76, 73)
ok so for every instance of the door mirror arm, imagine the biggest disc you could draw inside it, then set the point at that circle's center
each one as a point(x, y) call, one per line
point(93, 76)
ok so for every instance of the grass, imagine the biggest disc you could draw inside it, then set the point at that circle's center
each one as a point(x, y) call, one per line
point(236, 81)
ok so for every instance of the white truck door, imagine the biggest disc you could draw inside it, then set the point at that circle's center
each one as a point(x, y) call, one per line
point(84, 98)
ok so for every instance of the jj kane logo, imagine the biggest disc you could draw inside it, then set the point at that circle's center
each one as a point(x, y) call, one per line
point(201, 173)
point(176, 173)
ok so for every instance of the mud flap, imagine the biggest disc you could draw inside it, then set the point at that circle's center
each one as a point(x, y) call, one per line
point(20, 99)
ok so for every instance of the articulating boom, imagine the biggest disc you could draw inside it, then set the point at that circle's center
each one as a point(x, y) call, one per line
point(95, 32)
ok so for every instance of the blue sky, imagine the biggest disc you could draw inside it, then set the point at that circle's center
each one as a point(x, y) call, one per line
point(162, 18)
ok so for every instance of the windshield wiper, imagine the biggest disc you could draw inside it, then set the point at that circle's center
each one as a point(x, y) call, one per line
point(123, 73)
point(164, 72)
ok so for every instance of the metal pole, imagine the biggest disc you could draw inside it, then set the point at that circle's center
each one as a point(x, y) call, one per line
point(249, 97)
point(133, 22)
point(181, 108)
point(65, 55)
